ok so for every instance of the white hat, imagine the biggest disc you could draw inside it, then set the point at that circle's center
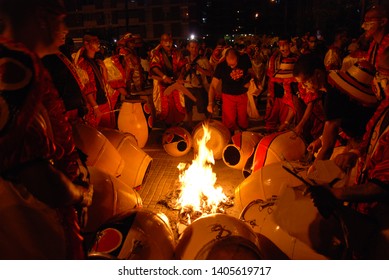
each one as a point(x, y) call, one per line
point(356, 82)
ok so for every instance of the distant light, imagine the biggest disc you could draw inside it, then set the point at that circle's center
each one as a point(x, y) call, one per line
point(192, 36)
point(114, 40)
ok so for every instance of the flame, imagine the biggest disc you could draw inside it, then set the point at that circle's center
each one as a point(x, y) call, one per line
point(198, 191)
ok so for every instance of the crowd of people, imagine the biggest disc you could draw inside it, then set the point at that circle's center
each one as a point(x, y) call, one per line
point(327, 94)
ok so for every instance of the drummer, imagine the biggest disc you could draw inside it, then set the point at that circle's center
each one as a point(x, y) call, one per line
point(348, 103)
point(165, 67)
point(371, 193)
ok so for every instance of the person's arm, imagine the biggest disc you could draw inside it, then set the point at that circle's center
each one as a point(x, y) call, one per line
point(307, 114)
point(367, 192)
point(287, 121)
point(205, 71)
point(159, 75)
point(328, 140)
point(212, 93)
point(95, 107)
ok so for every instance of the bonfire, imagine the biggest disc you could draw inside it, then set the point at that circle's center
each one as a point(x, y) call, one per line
point(199, 195)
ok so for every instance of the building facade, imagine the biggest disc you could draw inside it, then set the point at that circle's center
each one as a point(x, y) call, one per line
point(109, 19)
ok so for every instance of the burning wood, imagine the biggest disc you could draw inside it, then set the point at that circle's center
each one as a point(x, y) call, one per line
point(199, 195)
point(196, 194)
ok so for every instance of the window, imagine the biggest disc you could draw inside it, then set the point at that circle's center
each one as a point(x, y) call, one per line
point(158, 30)
point(158, 14)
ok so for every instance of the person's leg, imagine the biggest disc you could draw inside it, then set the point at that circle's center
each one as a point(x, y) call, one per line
point(229, 112)
point(243, 120)
point(272, 115)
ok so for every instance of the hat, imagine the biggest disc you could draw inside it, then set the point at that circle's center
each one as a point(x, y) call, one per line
point(356, 82)
point(125, 38)
point(137, 40)
point(286, 69)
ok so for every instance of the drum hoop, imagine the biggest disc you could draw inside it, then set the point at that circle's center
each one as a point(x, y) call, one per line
point(101, 255)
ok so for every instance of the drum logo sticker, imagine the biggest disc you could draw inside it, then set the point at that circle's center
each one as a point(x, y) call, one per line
point(108, 241)
point(222, 231)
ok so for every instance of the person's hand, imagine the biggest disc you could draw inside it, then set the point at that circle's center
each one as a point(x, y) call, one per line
point(314, 146)
point(282, 127)
point(167, 80)
point(324, 200)
point(180, 81)
point(98, 114)
point(346, 161)
point(298, 130)
point(86, 195)
point(210, 108)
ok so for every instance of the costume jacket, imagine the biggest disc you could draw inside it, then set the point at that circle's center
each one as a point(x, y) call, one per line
point(33, 127)
point(164, 104)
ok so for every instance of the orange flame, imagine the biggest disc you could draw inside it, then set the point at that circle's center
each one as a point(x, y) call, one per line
point(197, 182)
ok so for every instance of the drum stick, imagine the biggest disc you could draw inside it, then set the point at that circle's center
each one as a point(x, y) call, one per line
point(179, 87)
point(297, 176)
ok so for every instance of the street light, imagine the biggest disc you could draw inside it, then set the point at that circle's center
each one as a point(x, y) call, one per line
point(256, 18)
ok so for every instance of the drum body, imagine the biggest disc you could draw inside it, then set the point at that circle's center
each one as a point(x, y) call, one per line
point(266, 183)
point(177, 141)
point(137, 162)
point(352, 174)
point(290, 223)
point(138, 234)
point(101, 153)
point(243, 145)
point(218, 236)
point(132, 119)
point(29, 228)
point(277, 147)
point(220, 136)
point(111, 197)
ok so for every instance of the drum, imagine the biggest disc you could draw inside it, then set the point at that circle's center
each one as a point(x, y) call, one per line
point(217, 237)
point(137, 234)
point(177, 141)
point(111, 197)
point(352, 174)
point(101, 153)
point(137, 162)
point(29, 228)
point(132, 119)
point(220, 136)
point(289, 223)
point(243, 145)
point(277, 147)
point(266, 183)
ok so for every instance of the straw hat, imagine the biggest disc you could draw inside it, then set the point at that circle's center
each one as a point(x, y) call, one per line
point(125, 38)
point(356, 82)
point(286, 68)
